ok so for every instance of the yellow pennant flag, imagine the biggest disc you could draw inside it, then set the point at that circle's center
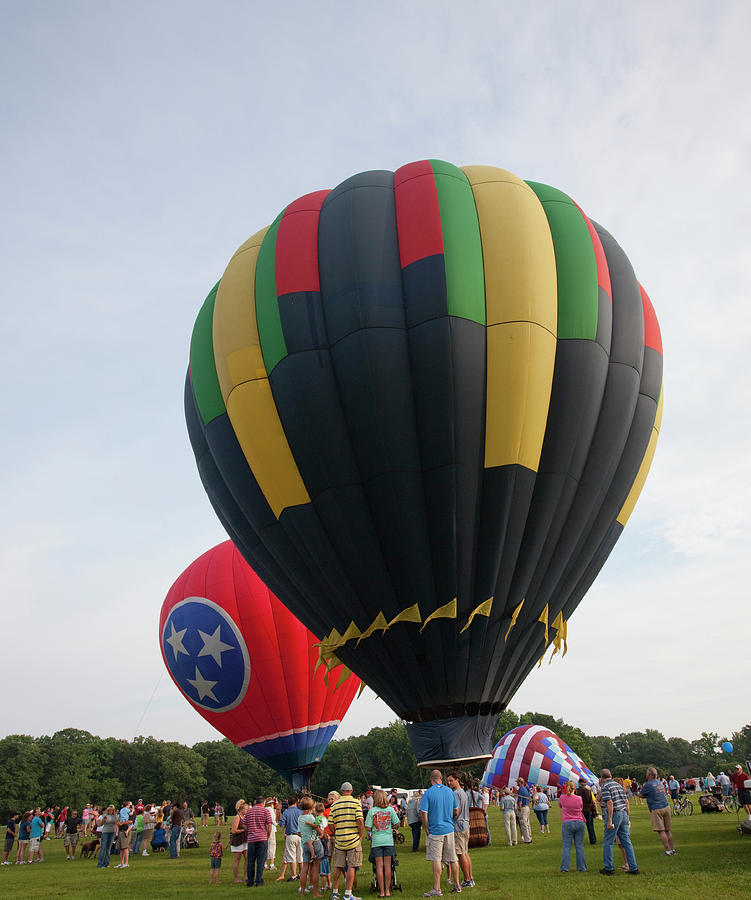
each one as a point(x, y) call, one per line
point(351, 633)
point(410, 614)
point(514, 617)
point(362, 687)
point(557, 623)
point(544, 619)
point(378, 624)
point(482, 610)
point(564, 635)
point(343, 676)
point(447, 611)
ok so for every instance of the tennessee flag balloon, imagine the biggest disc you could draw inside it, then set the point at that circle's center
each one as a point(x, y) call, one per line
point(247, 665)
point(536, 754)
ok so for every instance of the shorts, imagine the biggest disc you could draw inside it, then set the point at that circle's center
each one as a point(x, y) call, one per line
point(744, 797)
point(34, 844)
point(461, 842)
point(48, 827)
point(660, 819)
point(317, 851)
point(241, 849)
point(8, 844)
point(292, 849)
point(216, 862)
point(344, 858)
point(70, 840)
point(387, 850)
point(440, 848)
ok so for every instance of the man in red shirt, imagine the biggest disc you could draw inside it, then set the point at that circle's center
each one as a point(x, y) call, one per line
point(258, 825)
point(739, 779)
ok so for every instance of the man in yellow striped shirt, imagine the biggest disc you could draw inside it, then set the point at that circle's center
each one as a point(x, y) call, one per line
point(346, 823)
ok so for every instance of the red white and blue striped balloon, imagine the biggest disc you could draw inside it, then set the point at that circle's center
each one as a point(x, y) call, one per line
point(536, 754)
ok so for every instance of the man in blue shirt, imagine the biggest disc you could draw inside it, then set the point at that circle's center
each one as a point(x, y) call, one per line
point(522, 807)
point(292, 841)
point(659, 809)
point(438, 809)
point(36, 833)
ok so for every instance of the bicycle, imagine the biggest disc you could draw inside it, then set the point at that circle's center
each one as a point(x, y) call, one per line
point(683, 806)
point(730, 803)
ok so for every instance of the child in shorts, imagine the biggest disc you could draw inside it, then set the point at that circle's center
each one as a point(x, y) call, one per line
point(324, 869)
point(215, 857)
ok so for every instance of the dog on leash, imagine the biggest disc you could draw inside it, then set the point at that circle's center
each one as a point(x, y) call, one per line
point(89, 848)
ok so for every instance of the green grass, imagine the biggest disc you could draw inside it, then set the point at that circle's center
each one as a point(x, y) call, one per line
point(712, 861)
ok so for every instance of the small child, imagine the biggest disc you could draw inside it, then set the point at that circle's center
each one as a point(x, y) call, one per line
point(215, 855)
point(123, 843)
point(324, 870)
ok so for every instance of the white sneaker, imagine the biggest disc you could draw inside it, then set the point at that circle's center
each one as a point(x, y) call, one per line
point(145, 853)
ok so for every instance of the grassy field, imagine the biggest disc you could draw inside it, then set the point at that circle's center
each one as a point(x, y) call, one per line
point(712, 861)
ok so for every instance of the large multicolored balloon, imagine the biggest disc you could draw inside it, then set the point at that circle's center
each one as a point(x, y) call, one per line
point(423, 405)
point(536, 754)
point(246, 664)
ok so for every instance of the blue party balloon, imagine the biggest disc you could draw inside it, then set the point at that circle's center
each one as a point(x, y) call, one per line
point(727, 747)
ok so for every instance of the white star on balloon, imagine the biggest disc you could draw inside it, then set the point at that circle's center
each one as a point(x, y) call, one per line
point(204, 688)
point(175, 640)
point(213, 645)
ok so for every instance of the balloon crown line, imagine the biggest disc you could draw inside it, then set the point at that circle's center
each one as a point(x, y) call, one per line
point(334, 640)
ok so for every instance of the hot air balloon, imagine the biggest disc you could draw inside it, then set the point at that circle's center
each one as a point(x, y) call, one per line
point(536, 754)
point(423, 404)
point(246, 664)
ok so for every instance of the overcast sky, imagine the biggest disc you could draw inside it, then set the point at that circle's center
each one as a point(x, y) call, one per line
point(142, 143)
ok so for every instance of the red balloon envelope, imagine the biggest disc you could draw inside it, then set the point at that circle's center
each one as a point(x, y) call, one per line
point(246, 664)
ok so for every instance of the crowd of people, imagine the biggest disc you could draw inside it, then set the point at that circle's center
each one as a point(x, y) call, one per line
point(323, 839)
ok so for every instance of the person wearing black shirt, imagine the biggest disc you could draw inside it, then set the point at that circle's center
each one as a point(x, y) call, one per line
point(70, 841)
point(10, 836)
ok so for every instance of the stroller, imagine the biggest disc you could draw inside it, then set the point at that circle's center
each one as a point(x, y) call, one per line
point(189, 841)
point(395, 886)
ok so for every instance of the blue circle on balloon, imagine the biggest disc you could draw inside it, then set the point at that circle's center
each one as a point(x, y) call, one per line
point(727, 747)
point(206, 654)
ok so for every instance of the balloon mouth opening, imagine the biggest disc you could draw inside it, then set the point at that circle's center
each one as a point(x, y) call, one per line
point(458, 763)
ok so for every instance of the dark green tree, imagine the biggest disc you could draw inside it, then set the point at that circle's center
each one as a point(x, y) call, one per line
point(20, 773)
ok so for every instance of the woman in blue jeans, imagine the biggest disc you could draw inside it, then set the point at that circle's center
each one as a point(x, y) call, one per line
point(108, 821)
point(572, 828)
point(540, 807)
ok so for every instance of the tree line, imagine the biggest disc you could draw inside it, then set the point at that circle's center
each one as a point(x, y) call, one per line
point(75, 767)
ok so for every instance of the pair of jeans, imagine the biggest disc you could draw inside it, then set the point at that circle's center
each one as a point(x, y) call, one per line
point(174, 841)
point(589, 819)
point(542, 816)
point(621, 830)
point(137, 842)
point(105, 848)
point(256, 859)
point(416, 829)
point(573, 831)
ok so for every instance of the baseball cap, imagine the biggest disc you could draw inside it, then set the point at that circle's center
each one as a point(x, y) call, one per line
point(346, 786)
